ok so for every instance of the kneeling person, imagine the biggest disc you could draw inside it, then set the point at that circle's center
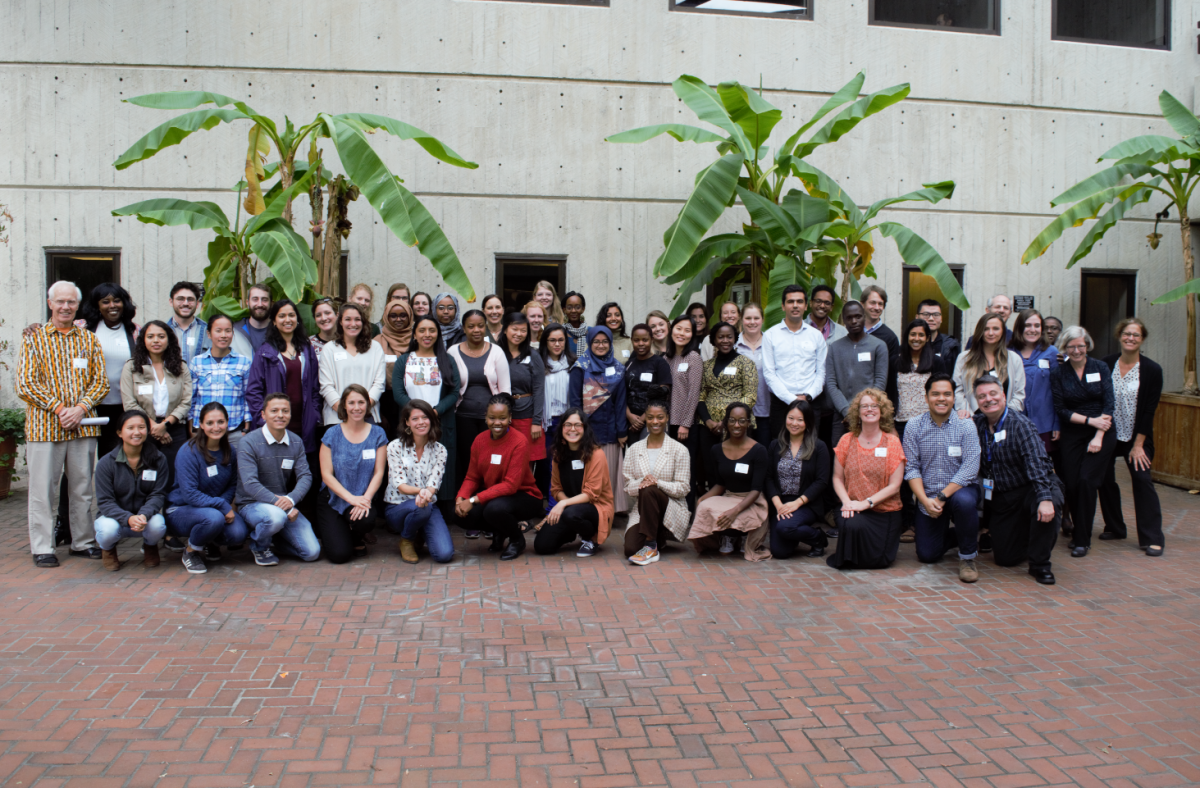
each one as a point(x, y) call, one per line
point(131, 488)
point(579, 482)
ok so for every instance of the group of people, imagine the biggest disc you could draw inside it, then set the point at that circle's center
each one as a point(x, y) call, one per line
point(202, 435)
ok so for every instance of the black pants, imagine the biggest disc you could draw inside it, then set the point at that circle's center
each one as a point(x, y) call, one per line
point(803, 527)
point(1011, 517)
point(908, 514)
point(179, 436)
point(339, 534)
point(501, 516)
point(580, 521)
point(466, 430)
point(692, 444)
point(1146, 507)
point(652, 509)
point(1083, 473)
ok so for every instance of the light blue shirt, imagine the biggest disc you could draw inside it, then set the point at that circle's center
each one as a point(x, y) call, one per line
point(193, 340)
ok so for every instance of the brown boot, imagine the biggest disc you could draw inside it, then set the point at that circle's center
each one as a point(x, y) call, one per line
point(150, 553)
point(109, 557)
point(408, 552)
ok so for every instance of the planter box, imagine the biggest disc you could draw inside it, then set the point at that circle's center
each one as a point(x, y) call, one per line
point(1177, 441)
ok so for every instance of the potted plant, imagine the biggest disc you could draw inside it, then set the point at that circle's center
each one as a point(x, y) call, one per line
point(12, 435)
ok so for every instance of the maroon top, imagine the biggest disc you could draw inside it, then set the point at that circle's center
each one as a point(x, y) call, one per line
point(295, 391)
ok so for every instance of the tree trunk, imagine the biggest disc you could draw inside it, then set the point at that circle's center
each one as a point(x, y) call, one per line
point(337, 227)
point(756, 294)
point(1189, 361)
point(286, 174)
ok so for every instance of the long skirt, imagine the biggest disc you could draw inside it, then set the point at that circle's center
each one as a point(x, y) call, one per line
point(868, 540)
point(616, 476)
point(537, 448)
point(706, 535)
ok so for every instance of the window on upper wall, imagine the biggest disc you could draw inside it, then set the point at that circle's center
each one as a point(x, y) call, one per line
point(919, 287)
point(558, 2)
point(965, 16)
point(85, 267)
point(1131, 23)
point(786, 9)
point(517, 276)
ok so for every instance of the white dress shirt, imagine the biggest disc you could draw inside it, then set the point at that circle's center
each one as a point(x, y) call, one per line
point(794, 361)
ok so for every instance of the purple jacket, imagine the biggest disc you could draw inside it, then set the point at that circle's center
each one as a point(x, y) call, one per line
point(268, 375)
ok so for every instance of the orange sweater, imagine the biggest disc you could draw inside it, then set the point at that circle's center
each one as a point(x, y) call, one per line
point(597, 485)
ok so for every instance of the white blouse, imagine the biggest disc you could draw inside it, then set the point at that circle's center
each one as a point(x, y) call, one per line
point(337, 369)
point(405, 468)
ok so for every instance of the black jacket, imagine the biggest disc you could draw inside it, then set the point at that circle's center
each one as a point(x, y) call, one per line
point(1150, 386)
point(1075, 395)
point(888, 337)
point(814, 477)
point(893, 382)
point(948, 348)
point(122, 493)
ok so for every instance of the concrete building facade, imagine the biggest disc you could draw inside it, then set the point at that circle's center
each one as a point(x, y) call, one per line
point(529, 90)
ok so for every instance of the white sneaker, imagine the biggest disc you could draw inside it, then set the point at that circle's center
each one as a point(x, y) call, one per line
point(726, 544)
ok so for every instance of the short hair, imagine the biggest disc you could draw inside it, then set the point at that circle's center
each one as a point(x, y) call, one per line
point(930, 302)
point(503, 398)
point(853, 302)
point(999, 295)
point(984, 380)
point(877, 290)
point(887, 411)
point(262, 287)
point(1131, 321)
point(274, 395)
point(787, 291)
point(659, 403)
point(353, 388)
point(939, 377)
point(61, 284)
point(196, 289)
point(712, 332)
point(1048, 318)
point(1072, 333)
point(405, 435)
point(641, 327)
point(824, 289)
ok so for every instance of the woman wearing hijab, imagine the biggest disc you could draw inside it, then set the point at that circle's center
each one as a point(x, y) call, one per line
point(395, 336)
point(598, 386)
point(449, 317)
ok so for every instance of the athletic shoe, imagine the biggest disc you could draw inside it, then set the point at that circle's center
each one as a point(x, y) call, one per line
point(645, 556)
point(967, 571)
point(265, 557)
point(173, 544)
point(471, 534)
point(193, 562)
point(726, 544)
point(212, 552)
point(586, 549)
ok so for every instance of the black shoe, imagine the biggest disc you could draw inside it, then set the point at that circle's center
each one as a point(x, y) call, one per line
point(62, 534)
point(832, 533)
point(1079, 552)
point(91, 552)
point(514, 549)
point(816, 552)
point(173, 544)
point(496, 546)
point(1043, 576)
point(1070, 545)
point(985, 543)
point(45, 561)
point(212, 552)
point(1109, 535)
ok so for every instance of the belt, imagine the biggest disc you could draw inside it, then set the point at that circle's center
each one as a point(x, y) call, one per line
point(521, 396)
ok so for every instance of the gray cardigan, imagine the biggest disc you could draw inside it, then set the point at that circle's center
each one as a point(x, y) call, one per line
point(262, 476)
point(846, 374)
point(122, 492)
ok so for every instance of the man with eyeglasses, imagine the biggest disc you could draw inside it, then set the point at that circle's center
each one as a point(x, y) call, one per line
point(820, 308)
point(944, 346)
point(191, 331)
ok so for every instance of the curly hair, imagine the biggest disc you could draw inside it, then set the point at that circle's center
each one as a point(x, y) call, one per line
point(362, 342)
point(172, 356)
point(887, 411)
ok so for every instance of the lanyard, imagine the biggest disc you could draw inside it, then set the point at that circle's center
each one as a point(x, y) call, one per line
point(991, 440)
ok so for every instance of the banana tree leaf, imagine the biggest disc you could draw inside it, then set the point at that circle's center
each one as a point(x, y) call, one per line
point(1105, 179)
point(714, 268)
point(824, 187)
point(756, 116)
point(786, 271)
point(402, 212)
point(175, 131)
point(680, 131)
point(1179, 116)
point(707, 105)
point(281, 256)
point(1110, 218)
point(847, 92)
point(432, 145)
point(723, 246)
point(220, 275)
point(186, 99)
point(1161, 148)
point(256, 153)
point(699, 213)
point(298, 243)
point(806, 210)
point(1076, 215)
point(851, 116)
point(932, 193)
point(223, 305)
point(915, 250)
point(276, 205)
point(776, 222)
point(1190, 288)
point(169, 212)
point(723, 296)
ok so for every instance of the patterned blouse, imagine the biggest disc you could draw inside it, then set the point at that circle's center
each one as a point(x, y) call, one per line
point(686, 375)
point(911, 386)
point(738, 382)
point(789, 468)
point(866, 471)
point(405, 468)
point(1125, 393)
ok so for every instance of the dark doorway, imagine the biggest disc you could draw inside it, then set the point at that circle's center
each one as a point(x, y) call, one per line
point(918, 287)
point(85, 267)
point(518, 274)
point(1107, 299)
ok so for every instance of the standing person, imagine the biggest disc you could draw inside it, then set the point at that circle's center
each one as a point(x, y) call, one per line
point(749, 344)
point(536, 316)
point(200, 507)
point(611, 315)
point(498, 491)
point(428, 373)
point(131, 489)
point(557, 360)
point(658, 479)
point(61, 378)
point(598, 387)
point(874, 301)
point(422, 305)
point(251, 331)
point(395, 337)
point(1053, 327)
point(944, 346)
point(1039, 361)
point(1137, 387)
point(158, 383)
point(352, 358)
point(325, 315)
point(909, 370)
point(364, 296)
point(868, 470)
point(735, 503)
point(660, 331)
point(729, 313)
point(546, 295)
point(647, 379)
point(397, 292)
point(527, 382)
point(286, 363)
point(109, 314)
point(1083, 397)
point(445, 306)
point(793, 358)
point(728, 377)
point(687, 373)
point(353, 463)
point(191, 331)
point(700, 316)
point(416, 478)
point(855, 362)
point(1021, 499)
point(797, 477)
point(577, 329)
point(1001, 306)
point(819, 318)
point(988, 354)
point(493, 312)
point(942, 463)
point(582, 489)
point(219, 375)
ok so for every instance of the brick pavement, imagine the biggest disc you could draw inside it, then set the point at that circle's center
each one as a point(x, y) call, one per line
point(594, 673)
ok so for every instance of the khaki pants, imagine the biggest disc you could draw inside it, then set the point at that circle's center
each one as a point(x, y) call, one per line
point(46, 461)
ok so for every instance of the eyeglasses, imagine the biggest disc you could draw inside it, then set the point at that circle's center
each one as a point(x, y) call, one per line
point(739, 422)
point(1131, 335)
point(929, 314)
point(821, 302)
point(868, 407)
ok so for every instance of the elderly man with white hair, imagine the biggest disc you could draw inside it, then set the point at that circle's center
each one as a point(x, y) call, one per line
point(61, 379)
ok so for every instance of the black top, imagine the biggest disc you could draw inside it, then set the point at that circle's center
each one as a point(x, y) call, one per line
point(888, 337)
point(814, 477)
point(745, 474)
point(1150, 385)
point(640, 391)
point(570, 474)
point(947, 348)
point(1017, 459)
point(1077, 395)
point(122, 492)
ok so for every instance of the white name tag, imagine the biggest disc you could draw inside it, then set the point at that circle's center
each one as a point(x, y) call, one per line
point(339, 355)
point(742, 467)
point(1043, 363)
point(287, 465)
point(191, 341)
point(81, 363)
point(999, 436)
point(954, 451)
point(683, 367)
point(1092, 377)
point(149, 476)
point(864, 356)
point(730, 372)
point(368, 454)
point(495, 459)
point(212, 470)
point(610, 370)
point(390, 359)
point(881, 451)
point(146, 388)
point(991, 372)
point(625, 353)
point(646, 377)
point(525, 361)
point(577, 465)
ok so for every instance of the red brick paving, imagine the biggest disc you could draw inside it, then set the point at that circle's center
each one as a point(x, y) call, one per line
point(593, 673)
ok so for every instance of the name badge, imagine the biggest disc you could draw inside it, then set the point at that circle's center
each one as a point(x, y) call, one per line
point(525, 361)
point(212, 470)
point(368, 454)
point(287, 465)
point(881, 451)
point(191, 341)
point(1092, 377)
point(741, 467)
point(625, 353)
point(339, 355)
point(683, 367)
point(864, 356)
point(390, 359)
point(730, 372)
point(149, 476)
point(81, 363)
point(1043, 363)
point(495, 459)
point(146, 388)
point(987, 489)
point(954, 451)
point(610, 370)
point(577, 465)
point(1000, 435)
point(646, 377)
point(991, 372)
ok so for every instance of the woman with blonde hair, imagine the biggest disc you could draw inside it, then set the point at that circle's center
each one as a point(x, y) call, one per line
point(536, 314)
point(987, 354)
point(660, 329)
point(545, 294)
point(364, 296)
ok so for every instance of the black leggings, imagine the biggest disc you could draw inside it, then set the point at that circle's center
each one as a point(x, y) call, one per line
point(501, 516)
point(580, 521)
point(466, 430)
point(1083, 473)
point(339, 534)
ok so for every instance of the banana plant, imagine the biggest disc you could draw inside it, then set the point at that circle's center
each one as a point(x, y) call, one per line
point(1143, 167)
point(397, 207)
point(818, 235)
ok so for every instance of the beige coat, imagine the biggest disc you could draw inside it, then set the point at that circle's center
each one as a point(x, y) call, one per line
point(674, 474)
point(135, 397)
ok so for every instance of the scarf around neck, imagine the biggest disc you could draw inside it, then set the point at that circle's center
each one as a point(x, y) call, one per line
point(455, 326)
point(600, 374)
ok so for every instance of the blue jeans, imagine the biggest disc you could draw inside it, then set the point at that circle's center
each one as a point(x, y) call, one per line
point(109, 531)
point(410, 520)
point(934, 535)
point(264, 520)
point(202, 526)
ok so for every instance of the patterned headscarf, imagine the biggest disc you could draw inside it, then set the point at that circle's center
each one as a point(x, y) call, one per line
point(600, 374)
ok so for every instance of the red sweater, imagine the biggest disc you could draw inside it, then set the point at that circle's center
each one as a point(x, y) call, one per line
point(499, 468)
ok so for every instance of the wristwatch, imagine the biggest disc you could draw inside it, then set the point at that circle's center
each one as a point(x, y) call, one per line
point(870, 503)
point(941, 496)
point(471, 500)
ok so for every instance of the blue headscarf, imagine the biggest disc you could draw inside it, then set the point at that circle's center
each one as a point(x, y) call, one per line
point(600, 373)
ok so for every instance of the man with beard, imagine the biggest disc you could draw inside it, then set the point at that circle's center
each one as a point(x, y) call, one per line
point(191, 331)
point(250, 332)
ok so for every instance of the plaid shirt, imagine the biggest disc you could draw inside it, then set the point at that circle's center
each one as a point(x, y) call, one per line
point(60, 369)
point(929, 448)
point(1019, 459)
point(220, 380)
point(193, 341)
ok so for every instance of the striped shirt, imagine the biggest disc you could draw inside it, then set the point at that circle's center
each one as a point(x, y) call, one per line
point(220, 380)
point(60, 369)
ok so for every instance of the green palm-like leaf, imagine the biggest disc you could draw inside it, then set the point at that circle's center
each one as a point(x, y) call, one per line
point(281, 227)
point(1190, 288)
point(785, 272)
point(1110, 218)
point(847, 92)
point(778, 223)
point(432, 145)
point(706, 276)
point(186, 99)
point(175, 131)
point(915, 250)
point(700, 212)
point(287, 265)
point(169, 212)
point(1179, 116)
point(680, 131)
point(932, 193)
point(1076, 215)
point(756, 116)
point(1105, 179)
point(1150, 147)
point(723, 246)
point(277, 203)
point(807, 210)
point(826, 188)
point(707, 105)
point(224, 305)
point(851, 116)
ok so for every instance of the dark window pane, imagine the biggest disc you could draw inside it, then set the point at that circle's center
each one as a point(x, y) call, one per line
point(85, 268)
point(517, 277)
point(918, 287)
point(962, 14)
point(1141, 23)
point(1107, 300)
point(799, 9)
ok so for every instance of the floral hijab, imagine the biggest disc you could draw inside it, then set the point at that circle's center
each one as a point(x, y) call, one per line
point(600, 373)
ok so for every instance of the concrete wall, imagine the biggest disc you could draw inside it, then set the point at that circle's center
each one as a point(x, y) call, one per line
point(530, 90)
